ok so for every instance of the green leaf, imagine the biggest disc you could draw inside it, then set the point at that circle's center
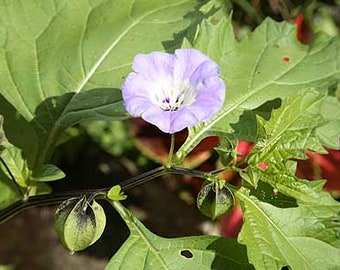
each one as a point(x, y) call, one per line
point(255, 70)
point(217, 39)
point(74, 55)
point(304, 191)
point(115, 193)
point(305, 237)
point(46, 173)
point(145, 250)
point(114, 137)
point(246, 128)
point(266, 193)
point(329, 133)
point(15, 162)
point(6, 267)
point(250, 175)
point(3, 140)
point(9, 192)
point(226, 150)
point(289, 132)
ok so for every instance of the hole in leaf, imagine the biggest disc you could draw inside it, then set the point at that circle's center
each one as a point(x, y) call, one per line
point(187, 254)
point(285, 267)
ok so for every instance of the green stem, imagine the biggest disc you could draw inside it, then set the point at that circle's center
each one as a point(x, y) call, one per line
point(171, 151)
point(121, 210)
point(53, 199)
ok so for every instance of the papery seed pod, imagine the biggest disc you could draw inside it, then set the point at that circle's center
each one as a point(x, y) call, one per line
point(215, 200)
point(79, 223)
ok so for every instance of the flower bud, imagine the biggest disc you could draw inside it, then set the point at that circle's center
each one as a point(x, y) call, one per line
point(79, 223)
point(215, 200)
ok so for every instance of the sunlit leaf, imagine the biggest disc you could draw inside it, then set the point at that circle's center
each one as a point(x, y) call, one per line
point(64, 61)
point(269, 63)
point(16, 164)
point(303, 237)
point(290, 131)
point(116, 194)
point(329, 133)
point(145, 250)
point(3, 140)
point(46, 173)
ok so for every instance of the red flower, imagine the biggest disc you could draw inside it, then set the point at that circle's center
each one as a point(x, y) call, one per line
point(304, 32)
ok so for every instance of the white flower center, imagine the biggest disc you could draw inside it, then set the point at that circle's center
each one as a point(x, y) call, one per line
point(174, 95)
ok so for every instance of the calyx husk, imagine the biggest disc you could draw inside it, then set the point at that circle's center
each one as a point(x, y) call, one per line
point(215, 199)
point(79, 223)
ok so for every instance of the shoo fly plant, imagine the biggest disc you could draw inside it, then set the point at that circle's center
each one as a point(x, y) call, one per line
point(170, 90)
point(178, 65)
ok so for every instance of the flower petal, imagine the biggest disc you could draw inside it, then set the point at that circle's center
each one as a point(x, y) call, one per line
point(153, 65)
point(187, 61)
point(183, 119)
point(174, 91)
point(205, 70)
point(159, 118)
point(135, 94)
point(209, 100)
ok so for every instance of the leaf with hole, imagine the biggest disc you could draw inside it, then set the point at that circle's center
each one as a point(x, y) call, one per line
point(145, 250)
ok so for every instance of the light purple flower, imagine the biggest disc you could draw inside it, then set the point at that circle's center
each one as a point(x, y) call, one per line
point(174, 91)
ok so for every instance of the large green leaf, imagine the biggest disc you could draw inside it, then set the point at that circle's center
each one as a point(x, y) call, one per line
point(16, 178)
point(145, 250)
point(9, 192)
point(47, 172)
point(305, 237)
point(290, 131)
point(63, 61)
point(329, 133)
point(301, 237)
point(269, 63)
point(303, 191)
point(16, 164)
point(3, 140)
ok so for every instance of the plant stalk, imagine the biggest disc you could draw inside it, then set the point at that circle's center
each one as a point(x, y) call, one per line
point(56, 198)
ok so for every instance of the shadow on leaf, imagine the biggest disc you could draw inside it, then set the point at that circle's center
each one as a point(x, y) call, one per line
point(229, 255)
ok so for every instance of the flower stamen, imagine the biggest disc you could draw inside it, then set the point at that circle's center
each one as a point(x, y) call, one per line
point(172, 104)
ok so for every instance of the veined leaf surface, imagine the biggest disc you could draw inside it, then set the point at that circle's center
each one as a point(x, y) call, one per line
point(269, 63)
point(145, 250)
point(64, 61)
